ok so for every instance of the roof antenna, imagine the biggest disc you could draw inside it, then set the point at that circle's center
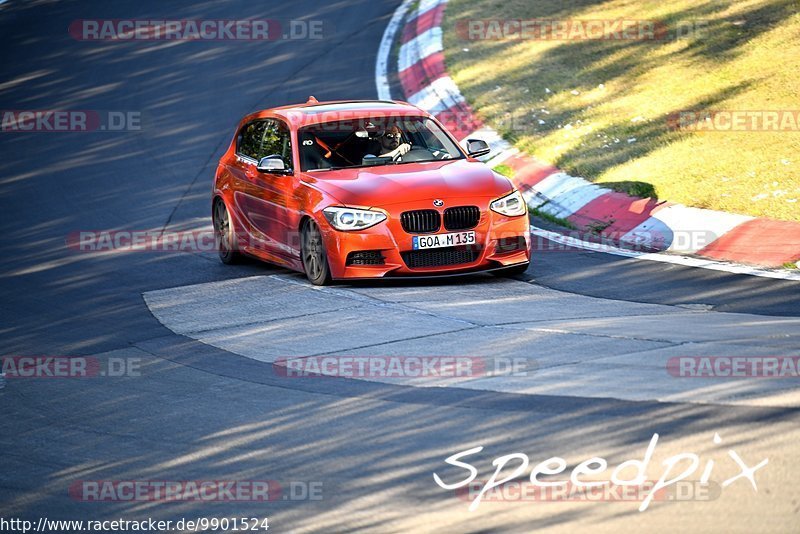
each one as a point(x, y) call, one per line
point(312, 100)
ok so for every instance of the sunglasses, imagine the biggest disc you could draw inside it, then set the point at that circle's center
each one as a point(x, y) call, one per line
point(393, 135)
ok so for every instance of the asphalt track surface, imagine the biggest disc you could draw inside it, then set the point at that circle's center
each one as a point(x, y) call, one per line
point(200, 412)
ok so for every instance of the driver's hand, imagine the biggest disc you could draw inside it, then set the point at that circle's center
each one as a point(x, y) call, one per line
point(399, 151)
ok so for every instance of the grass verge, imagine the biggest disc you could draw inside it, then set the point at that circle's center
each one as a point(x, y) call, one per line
point(601, 109)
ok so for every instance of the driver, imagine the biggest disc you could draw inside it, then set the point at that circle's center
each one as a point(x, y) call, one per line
point(389, 144)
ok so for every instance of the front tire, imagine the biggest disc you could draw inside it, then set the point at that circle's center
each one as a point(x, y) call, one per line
point(224, 235)
point(315, 260)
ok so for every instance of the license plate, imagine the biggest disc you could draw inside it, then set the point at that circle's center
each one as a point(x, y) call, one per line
point(420, 242)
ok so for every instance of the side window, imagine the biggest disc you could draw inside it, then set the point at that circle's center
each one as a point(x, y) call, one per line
point(277, 141)
point(250, 139)
point(266, 137)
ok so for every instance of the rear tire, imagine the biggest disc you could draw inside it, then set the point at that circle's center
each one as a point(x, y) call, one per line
point(315, 260)
point(224, 234)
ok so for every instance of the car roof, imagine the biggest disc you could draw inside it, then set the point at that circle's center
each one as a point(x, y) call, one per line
point(313, 112)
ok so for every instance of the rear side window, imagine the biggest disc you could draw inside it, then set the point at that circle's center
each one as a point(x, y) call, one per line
point(266, 137)
point(250, 139)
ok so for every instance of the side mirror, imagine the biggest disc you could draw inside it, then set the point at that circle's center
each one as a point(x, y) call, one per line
point(477, 148)
point(273, 165)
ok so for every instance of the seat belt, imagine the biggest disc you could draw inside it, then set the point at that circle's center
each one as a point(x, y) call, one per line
point(330, 151)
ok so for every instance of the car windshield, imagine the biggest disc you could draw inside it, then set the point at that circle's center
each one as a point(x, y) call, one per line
point(373, 141)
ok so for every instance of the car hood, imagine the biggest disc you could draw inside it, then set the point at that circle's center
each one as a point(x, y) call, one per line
point(410, 182)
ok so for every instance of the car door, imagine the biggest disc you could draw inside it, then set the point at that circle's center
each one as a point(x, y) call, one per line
point(243, 169)
point(267, 199)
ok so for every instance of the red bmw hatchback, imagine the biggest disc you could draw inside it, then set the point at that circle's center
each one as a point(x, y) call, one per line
point(364, 189)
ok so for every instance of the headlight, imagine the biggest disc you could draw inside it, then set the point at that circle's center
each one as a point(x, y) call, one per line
point(351, 218)
point(511, 205)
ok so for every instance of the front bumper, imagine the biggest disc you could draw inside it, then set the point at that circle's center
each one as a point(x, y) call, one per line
point(392, 241)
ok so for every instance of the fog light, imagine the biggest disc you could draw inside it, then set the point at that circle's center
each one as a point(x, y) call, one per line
point(365, 257)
